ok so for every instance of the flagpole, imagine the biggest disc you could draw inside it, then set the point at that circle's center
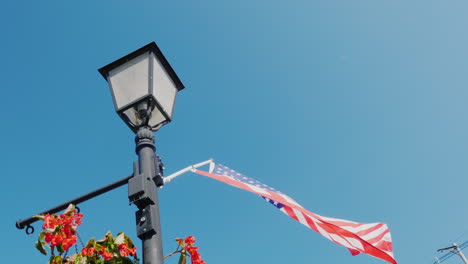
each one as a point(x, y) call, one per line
point(182, 171)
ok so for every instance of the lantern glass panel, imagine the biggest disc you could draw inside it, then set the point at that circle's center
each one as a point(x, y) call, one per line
point(129, 81)
point(132, 115)
point(164, 89)
point(157, 119)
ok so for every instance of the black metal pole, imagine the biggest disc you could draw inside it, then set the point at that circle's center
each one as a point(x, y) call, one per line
point(142, 190)
point(22, 223)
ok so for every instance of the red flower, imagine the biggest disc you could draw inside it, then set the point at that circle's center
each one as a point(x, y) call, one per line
point(88, 251)
point(125, 251)
point(192, 250)
point(50, 222)
point(190, 240)
point(48, 237)
point(68, 242)
point(57, 239)
point(195, 257)
point(107, 255)
point(91, 251)
point(133, 251)
point(78, 217)
point(103, 249)
point(61, 231)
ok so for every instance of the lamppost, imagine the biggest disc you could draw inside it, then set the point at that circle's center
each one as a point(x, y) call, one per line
point(144, 87)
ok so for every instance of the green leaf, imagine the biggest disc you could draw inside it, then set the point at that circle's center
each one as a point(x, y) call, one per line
point(40, 247)
point(127, 261)
point(41, 236)
point(109, 237)
point(60, 248)
point(111, 261)
point(129, 242)
point(90, 243)
point(56, 259)
point(182, 259)
point(78, 258)
point(97, 247)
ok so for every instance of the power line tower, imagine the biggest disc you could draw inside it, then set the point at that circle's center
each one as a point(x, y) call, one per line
point(455, 249)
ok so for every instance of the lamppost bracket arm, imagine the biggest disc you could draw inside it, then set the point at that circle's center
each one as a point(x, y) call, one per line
point(22, 223)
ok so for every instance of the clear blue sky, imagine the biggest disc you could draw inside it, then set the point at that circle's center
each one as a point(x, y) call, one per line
point(356, 109)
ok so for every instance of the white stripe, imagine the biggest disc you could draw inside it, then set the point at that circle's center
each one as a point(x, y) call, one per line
point(336, 219)
point(387, 237)
point(314, 219)
point(338, 239)
point(289, 199)
point(256, 189)
point(300, 217)
point(212, 165)
point(323, 232)
point(356, 243)
point(319, 228)
point(359, 228)
point(375, 233)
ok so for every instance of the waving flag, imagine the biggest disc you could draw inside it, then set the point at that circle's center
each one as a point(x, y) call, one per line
point(372, 239)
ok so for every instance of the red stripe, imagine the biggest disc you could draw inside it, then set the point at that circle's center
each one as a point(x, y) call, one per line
point(290, 213)
point(368, 247)
point(385, 245)
point(371, 229)
point(344, 223)
point(311, 223)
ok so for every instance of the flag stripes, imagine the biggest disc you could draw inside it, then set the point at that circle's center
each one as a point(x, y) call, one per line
point(373, 239)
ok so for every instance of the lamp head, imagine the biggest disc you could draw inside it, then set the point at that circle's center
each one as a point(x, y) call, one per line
point(144, 87)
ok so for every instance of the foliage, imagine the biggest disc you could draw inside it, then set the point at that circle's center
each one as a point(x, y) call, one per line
point(186, 249)
point(60, 233)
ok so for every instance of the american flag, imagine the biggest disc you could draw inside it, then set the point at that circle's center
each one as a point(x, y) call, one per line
point(373, 239)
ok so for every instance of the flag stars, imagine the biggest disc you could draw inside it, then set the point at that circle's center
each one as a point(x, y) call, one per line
point(227, 172)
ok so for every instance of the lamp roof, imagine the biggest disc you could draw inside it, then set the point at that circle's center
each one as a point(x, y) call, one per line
point(153, 48)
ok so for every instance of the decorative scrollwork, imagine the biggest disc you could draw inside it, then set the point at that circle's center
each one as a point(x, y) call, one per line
point(29, 230)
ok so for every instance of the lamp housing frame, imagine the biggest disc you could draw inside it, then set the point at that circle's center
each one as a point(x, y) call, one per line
point(153, 50)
